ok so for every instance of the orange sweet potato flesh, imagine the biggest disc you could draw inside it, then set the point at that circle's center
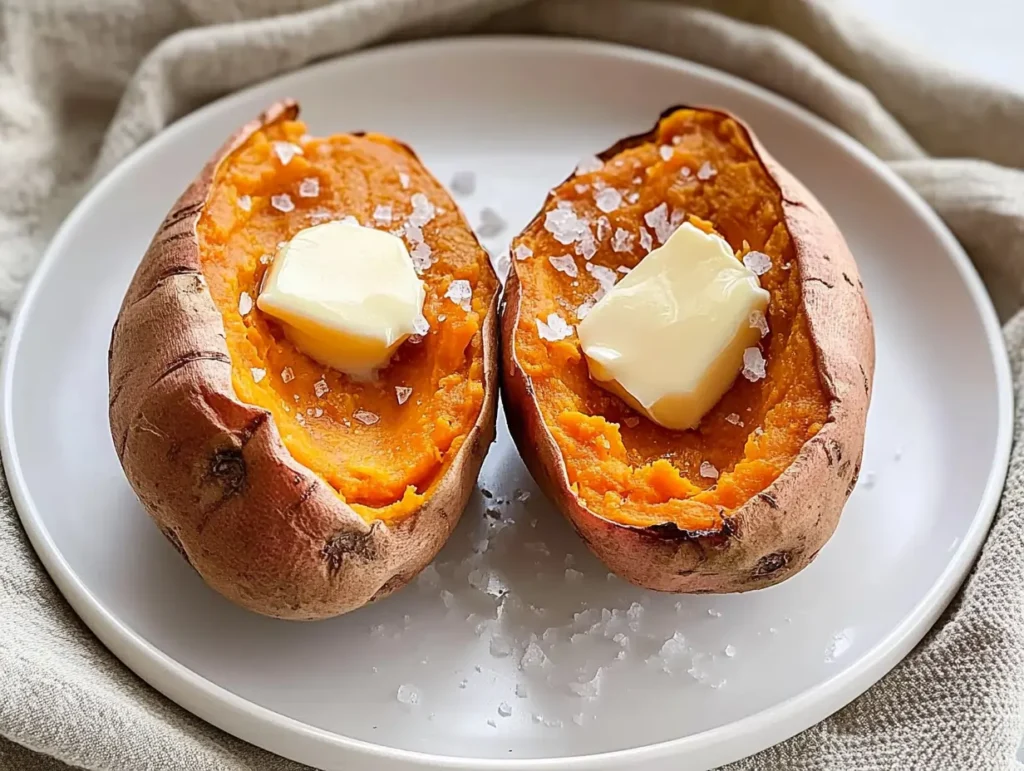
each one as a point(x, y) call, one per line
point(384, 471)
point(624, 467)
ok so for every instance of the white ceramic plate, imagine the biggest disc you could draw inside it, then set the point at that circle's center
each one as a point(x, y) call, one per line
point(753, 670)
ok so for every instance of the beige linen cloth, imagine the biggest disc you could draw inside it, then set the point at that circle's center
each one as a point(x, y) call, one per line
point(84, 82)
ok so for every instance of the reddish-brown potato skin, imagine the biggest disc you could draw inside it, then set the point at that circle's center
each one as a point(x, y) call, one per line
point(213, 472)
point(779, 531)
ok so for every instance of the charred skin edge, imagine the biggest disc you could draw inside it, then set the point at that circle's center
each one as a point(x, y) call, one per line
point(779, 531)
point(213, 472)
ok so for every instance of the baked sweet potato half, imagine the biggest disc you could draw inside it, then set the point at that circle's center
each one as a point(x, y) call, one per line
point(294, 490)
point(749, 497)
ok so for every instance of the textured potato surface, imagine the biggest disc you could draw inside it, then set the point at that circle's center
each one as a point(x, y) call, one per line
point(622, 466)
point(381, 456)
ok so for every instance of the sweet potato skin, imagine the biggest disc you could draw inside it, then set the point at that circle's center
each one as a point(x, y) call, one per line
point(212, 471)
point(779, 531)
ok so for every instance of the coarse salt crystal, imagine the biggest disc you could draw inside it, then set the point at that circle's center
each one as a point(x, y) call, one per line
point(491, 723)
point(421, 257)
point(759, 322)
point(645, 240)
point(589, 164)
point(587, 244)
point(708, 470)
point(584, 309)
point(605, 278)
point(521, 690)
point(624, 269)
point(733, 418)
point(366, 417)
point(565, 264)
point(460, 292)
point(282, 202)
point(463, 183)
point(604, 227)
point(759, 263)
point(554, 329)
point(382, 214)
point(491, 223)
point(665, 151)
point(285, 151)
point(287, 375)
point(753, 365)
point(318, 412)
point(423, 210)
point(244, 303)
point(309, 187)
point(664, 225)
point(504, 709)
point(421, 326)
point(257, 374)
point(622, 241)
point(522, 252)
point(730, 650)
point(403, 180)
point(706, 171)
point(608, 200)
point(408, 694)
point(320, 388)
point(534, 656)
point(563, 224)
point(500, 647)
point(244, 202)
point(402, 393)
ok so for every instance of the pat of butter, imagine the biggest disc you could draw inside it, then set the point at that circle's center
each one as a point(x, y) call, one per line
point(669, 337)
point(346, 295)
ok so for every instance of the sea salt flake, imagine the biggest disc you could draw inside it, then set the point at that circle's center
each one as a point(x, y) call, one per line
point(402, 393)
point(522, 496)
point(706, 171)
point(522, 252)
point(421, 326)
point(622, 241)
point(645, 240)
point(757, 321)
point(447, 598)
point(565, 264)
point(300, 419)
point(589, 164)
point(460, 292)
point(605, 277)
point(504, 709)
point(633, 197)
point(578, 718)
point(408, 694)
point(604, 227)
point(320, 388)
point(759, 263)
point(245, 202)
point(563, 224)
point(318, 412)
point(666, 151)
point(708, 470)
point(296, 398)
point(521, 691)
point(285, 151)
point(283, 202)
point(244, 303)
point(624, 269)
point(588, 689)
point(730, 650)
point(534, 657)
point(421, 257)
point(753, 365)
point(366, 417)
point(309, 187)
point(733, 418)
point(491, 223)
point(382, 214)
point(584, 309)
point(287, 375)
point(632, 421)
point(608, 200)
point(554, 329)
point(463, 183)
point(257, 374)
point(423, 210)
point(403, 180)
point(266, 259)
point(664, 224)
point(491, 723)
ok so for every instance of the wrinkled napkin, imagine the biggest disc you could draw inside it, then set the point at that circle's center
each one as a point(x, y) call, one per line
point(84, 82)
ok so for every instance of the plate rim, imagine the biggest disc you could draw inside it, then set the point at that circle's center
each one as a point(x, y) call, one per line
point(290, 737)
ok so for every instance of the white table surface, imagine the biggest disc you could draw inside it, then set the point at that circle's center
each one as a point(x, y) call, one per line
point(976, 36)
